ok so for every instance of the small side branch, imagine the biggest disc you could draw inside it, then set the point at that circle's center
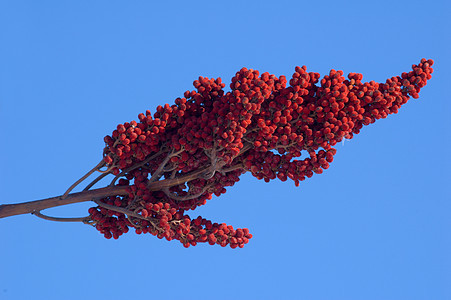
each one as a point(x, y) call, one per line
point(121, 210)
point(161, 184)
point(186, 197)
point(96, 168)
point(159, 171)
point(233, 168)
point(85, 220)
point(97, 179)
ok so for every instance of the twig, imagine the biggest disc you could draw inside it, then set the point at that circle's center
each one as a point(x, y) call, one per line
point(174, 172)
point(213, 161)
point(95, 181)
point(187, 197)
point(233, 168)
point(157, 173)
point(123, 211)
point(85, 220)
point(245, 148)
point(159, 185)
point(96, 168)
point(117, 209)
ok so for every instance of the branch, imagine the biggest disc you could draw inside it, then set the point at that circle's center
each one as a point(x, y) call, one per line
point(119, 209)
point(186, 197)
point(7, 210)
point(97, 167)
point(45, 217)
point(159, 185)
point(158, 172)
point(97, 179)
point(233, 168)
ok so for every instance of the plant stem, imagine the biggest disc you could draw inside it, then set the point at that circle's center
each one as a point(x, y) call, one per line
point(7, 210)
point(99, 165)
point(45, 217)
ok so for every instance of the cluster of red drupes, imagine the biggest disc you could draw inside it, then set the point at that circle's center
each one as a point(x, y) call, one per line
point(261, 126)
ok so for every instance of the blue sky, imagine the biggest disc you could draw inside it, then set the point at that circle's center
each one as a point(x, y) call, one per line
point(375, 225)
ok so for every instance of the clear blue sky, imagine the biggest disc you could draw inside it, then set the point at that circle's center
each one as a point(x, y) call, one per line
point(375, 225)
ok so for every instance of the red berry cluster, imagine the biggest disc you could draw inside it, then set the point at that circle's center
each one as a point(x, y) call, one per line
point(178, 158)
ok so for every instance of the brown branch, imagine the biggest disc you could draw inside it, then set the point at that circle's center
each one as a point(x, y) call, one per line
point(97, 167)
point(233, 168)
point(58, 219)
point(128, 213)
point(158, 172)
point(7, 210)
point(186, 197)
point(97, 179)
point(119, 209)
point(159, 185)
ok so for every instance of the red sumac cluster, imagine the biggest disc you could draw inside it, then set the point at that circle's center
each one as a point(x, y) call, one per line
point(177, 158)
